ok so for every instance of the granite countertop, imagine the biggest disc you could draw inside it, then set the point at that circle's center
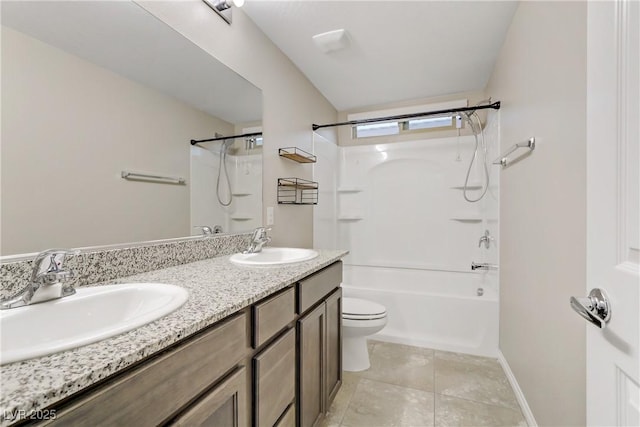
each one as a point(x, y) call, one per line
point(217, 288)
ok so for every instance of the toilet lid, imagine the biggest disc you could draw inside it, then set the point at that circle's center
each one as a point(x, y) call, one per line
point(360, 309)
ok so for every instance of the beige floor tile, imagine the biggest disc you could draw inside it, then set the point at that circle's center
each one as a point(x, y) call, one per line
point(341, 402)
point(378, 404)
point(474, 378)
point(401, 365)
point(451, 411)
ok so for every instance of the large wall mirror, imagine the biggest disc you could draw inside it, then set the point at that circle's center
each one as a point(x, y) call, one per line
point(94, 89)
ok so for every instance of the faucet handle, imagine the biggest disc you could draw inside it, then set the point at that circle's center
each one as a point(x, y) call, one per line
point(206, 230)
point(56, 258)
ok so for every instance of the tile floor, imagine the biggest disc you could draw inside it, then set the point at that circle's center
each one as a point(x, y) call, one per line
point(414, 387)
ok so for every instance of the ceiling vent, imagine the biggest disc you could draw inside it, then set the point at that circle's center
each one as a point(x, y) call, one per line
point(332, 40)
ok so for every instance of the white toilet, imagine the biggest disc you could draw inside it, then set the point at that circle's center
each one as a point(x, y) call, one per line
point(360, 318)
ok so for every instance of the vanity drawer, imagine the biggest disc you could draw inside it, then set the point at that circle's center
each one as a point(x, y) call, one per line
point(315, 287)
point(147, 395)
point(275, 379)
point(272, 316)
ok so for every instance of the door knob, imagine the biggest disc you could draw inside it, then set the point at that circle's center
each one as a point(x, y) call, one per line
point(595, 308)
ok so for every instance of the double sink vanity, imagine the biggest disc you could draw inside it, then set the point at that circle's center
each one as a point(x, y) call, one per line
point(256, 340)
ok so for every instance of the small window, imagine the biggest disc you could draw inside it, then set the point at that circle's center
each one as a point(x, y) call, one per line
point(428, 123)
point(376, 129)
point(407, 126)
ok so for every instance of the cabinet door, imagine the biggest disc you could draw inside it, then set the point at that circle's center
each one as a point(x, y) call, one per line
point(223, 406)
point(275, 379)
point(311, 358)
point(333, 367)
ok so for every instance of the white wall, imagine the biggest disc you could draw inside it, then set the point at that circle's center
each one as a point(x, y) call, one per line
point(69, 128)
point(540, 77)
point(291, 104)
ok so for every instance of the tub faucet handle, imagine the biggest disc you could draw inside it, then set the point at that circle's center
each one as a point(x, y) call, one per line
point(486, 239)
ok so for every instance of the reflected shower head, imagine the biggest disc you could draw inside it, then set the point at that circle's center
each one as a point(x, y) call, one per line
point(226, 144)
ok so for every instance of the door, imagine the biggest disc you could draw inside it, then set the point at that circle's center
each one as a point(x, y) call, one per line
point(613, 216)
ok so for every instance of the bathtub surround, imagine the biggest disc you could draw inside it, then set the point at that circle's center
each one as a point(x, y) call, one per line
point(543, 207)
point(412, 238)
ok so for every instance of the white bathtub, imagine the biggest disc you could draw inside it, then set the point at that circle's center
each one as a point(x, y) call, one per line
point(433, 309)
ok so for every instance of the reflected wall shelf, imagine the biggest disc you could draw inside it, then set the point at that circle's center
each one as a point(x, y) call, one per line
point(350, 218)
point(472, 186)
point(350, 189)
point(241, 217)
point(297, 155)
point(297, 191)
point(240, 194)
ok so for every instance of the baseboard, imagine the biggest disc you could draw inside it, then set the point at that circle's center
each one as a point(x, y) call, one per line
point(524, 406)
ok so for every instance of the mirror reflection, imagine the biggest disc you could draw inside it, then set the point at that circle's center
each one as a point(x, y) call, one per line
point(94, 89)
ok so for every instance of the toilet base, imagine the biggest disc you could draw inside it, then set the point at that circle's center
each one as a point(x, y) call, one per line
point(355, 354)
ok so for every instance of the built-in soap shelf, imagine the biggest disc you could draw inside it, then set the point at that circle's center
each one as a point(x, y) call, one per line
point(469, 187)
point(467, 217)
point(350, 217)
point(347, 189)
point(241, 217)
point(297, 155)
point(297, 191)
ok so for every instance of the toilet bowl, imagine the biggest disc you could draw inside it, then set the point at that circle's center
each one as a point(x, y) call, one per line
point(360, 318)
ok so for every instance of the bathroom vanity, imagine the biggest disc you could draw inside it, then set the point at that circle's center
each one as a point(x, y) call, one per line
point(252, 346)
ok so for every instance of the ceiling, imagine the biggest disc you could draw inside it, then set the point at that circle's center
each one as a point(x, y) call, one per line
point(399, 50)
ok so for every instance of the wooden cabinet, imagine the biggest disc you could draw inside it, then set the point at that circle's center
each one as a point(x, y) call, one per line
point(333, 365)
point(320, 344)
point(154, 391)
point(276, 363)
point(311, 336)
point(275, 380)
point(223, 406)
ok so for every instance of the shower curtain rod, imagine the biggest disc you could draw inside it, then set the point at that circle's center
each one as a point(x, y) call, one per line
point(222, 138)
point(495, 106)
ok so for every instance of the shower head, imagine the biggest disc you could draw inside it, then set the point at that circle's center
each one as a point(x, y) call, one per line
point(479, 104)
point(226, 144)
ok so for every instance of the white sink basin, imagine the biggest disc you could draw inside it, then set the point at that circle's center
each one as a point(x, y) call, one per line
point(274, 256)
point(91, 314)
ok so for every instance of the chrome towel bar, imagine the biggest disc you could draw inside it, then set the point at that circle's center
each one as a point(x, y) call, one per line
point(503, 160)
point(134, 176)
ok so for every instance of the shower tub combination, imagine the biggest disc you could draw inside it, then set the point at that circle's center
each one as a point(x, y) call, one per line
point(433, 309)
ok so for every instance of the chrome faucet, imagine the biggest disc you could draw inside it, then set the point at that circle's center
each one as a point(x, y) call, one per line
point(258, 240)
point(47, 281)
point(483, 266)
point(208, 231)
